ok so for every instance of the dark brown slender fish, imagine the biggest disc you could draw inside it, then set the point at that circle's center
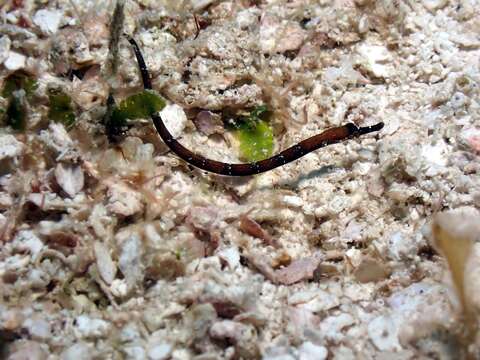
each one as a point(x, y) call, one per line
point(329, 136)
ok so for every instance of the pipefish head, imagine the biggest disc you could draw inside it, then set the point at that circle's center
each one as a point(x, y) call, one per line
point(355, 131)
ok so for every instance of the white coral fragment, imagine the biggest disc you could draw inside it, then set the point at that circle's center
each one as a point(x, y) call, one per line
point(293, 201)
point(38, 328)
point(48, 20)
point(70, 178)
point(15, 61)
point(433, 5)
point(28, 350)
point(201, 4)
point(57, 138)
point(3, 221)
point(310, 351)
point(99, 220)
point(226, 330)
point(435, 156)
point(4, 48)
point(159, 351)
point(6, 200)
point(246, 18)
point(243, 336)
point(27, 240)
point(10, 147)
point(130, 260)
point(401, 247)
point(87, 327)
point(343, 75)
point(320, 302)
point(278, 36)
point(78, 351)
point(383, 332)
point(174, 118)
point(417, 309)
point(123, 200)
point(231, 256)
point(119, 288)
point(376, 59)
point(332, 326)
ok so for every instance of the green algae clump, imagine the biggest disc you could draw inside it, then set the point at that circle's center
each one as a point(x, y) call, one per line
point(255, 135)
point(18, 89)
point(61, 109)
point(19, 81)
point(138, 106)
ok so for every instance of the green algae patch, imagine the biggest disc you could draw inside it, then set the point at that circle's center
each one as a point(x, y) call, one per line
point(61, 109)
point(254, 134)
point(256, 143)
point(19, 81)
point(138, 106)
point(18, 89)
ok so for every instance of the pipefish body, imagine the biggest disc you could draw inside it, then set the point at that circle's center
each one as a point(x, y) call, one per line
point(327, 137)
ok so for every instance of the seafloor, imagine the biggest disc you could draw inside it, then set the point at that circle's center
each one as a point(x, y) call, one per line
point(117, 249)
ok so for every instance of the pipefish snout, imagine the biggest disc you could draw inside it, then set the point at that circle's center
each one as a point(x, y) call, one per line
point(327, 137)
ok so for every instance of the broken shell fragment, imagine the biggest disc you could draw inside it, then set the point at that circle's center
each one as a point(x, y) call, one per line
point(70, 178)
point(106, 266)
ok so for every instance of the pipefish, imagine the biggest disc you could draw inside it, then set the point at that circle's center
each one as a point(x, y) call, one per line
point(328, 137)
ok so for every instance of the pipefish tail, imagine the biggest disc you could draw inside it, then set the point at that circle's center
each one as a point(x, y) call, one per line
point(328, 137)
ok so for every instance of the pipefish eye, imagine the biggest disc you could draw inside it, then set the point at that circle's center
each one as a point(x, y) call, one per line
point(352, 129)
